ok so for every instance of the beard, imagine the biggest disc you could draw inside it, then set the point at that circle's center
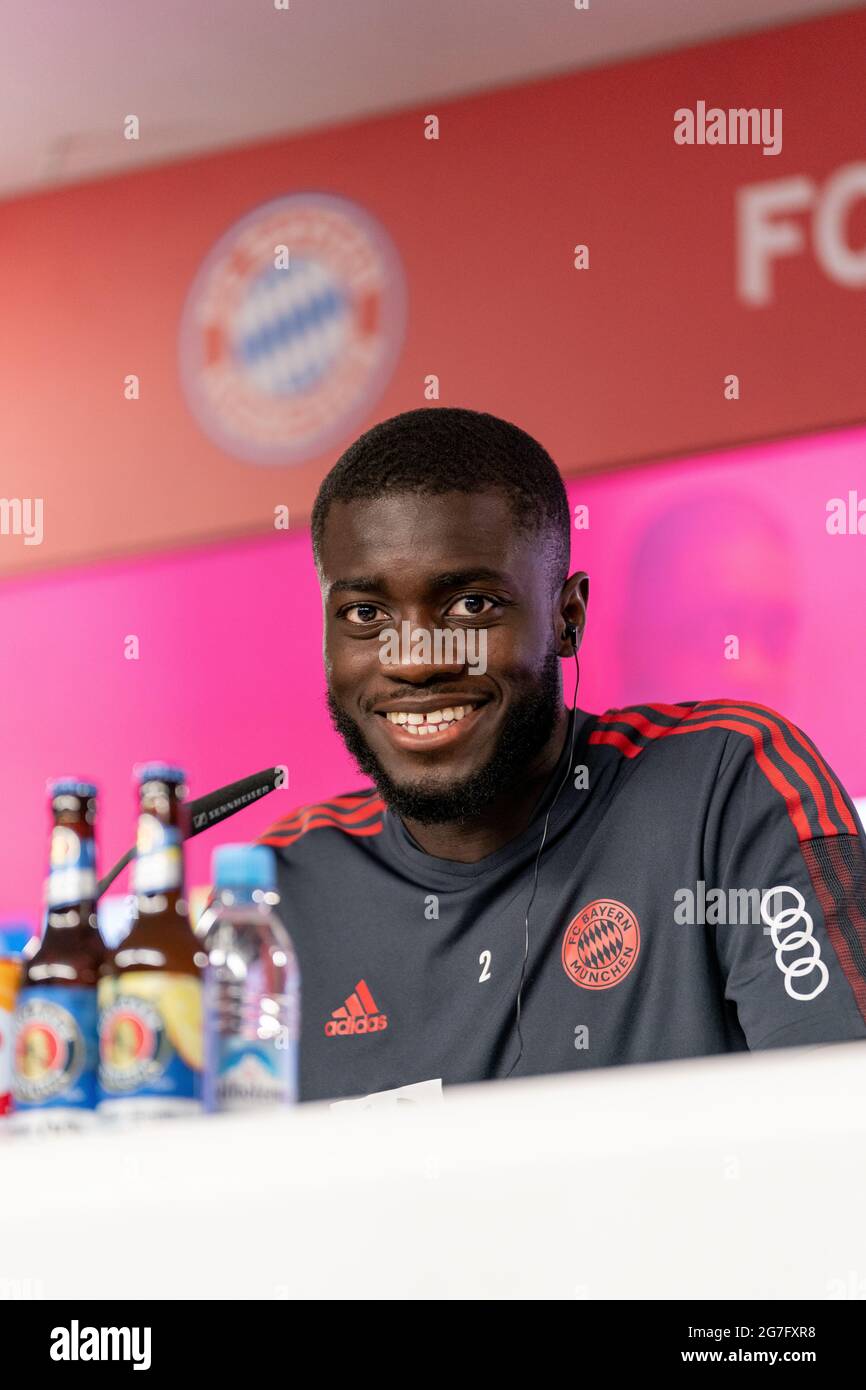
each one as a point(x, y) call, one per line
point(527, 727)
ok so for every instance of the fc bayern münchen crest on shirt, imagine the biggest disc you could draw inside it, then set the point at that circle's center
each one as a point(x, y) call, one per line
point(601, 944)
point(292, 328)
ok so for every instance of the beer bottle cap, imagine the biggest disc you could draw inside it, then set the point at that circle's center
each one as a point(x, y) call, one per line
point(159, 772)
point(244, 866)
point(71, 786)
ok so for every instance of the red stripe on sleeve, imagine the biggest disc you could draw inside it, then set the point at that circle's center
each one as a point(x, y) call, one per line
point(792, 798)
point(838, 799)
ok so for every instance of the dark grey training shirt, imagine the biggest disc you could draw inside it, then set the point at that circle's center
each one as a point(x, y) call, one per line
point(646, 936)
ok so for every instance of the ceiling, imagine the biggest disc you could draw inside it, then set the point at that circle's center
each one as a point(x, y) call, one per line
point(204, 74)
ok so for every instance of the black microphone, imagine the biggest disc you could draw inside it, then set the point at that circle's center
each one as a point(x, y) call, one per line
point(210, 809)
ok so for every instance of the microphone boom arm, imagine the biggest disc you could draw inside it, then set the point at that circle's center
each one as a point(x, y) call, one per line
point(212, 808)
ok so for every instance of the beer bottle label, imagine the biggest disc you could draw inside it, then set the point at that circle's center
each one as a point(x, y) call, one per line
point(55, 1048)
point(158, 866)
point(72, 868)
point(150, 1042)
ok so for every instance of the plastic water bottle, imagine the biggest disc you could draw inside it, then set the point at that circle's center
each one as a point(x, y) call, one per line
point(251, 988)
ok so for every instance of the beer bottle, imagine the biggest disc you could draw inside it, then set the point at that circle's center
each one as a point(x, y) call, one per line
point(150, 1008)
point(55, 1067)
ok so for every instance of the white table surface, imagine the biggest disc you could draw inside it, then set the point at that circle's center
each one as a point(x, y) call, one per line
point(735, 1177)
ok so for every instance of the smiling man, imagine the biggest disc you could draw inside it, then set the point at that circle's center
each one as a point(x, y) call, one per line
point(702, 881)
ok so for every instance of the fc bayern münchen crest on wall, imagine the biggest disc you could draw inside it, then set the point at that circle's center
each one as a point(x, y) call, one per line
point(292, 328)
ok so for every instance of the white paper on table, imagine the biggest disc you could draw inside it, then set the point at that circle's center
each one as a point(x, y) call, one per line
point(420, 1093)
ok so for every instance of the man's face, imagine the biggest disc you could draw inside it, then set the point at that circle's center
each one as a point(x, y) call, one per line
point(454, 561)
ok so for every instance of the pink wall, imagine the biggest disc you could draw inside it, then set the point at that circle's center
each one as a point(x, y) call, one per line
point(229, 678)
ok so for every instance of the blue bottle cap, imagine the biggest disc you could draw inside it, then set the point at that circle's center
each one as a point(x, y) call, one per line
point(159, 772)
point(13, 938)
point(244, 866)
point(70, 786)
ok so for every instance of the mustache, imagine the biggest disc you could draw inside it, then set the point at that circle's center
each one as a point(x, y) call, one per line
point(410, 692)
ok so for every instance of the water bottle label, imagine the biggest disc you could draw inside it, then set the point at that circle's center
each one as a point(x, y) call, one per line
point(55, 1047)
point(158, 866)
point(242, 1072)
point(150, 1037)
point(72, 868)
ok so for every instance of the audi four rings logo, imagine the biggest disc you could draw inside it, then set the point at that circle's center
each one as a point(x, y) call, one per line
point(800, 941)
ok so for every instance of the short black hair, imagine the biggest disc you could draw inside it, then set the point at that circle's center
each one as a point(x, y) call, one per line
point(448, 449)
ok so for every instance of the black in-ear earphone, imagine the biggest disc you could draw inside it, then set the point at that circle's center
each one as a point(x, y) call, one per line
point(570, 634)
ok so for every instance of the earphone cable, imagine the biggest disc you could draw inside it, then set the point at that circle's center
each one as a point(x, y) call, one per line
point(566, 775)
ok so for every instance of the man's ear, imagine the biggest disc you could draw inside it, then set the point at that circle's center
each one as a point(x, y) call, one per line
point(571, 613)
